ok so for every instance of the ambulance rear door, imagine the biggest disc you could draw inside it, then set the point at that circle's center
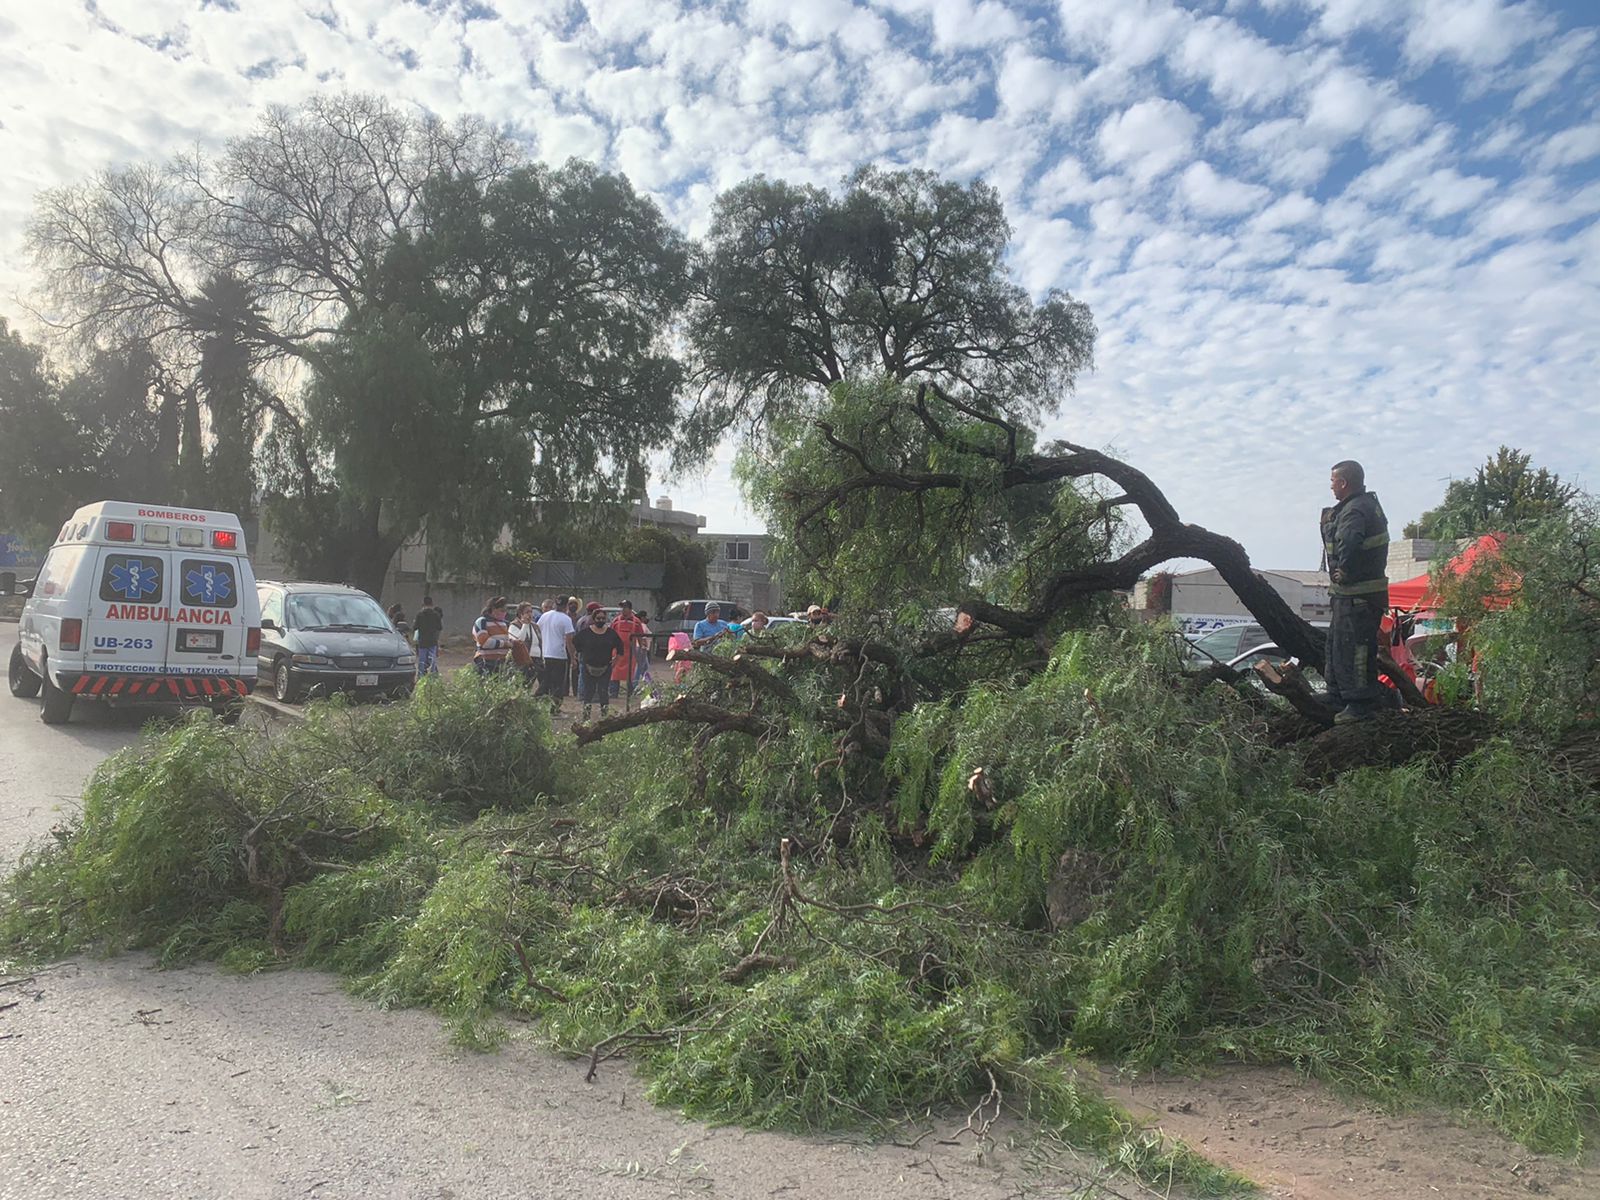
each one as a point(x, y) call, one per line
point(211, 617)
point(129, 623)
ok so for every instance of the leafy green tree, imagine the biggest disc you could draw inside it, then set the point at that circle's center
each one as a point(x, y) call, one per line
point(43, 456)
point(220, 269)
point(901, 275)
point(685, 561)
point(1505, 495)
point(519, 359)
point(892, 496)
point(1538, 658)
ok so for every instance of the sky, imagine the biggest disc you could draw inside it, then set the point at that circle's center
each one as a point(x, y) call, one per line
point(1309, 230)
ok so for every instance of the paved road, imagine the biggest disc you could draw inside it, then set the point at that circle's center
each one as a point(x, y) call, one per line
point(117, 1080)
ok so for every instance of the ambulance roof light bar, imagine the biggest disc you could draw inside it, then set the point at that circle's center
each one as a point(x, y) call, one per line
point(157, 535)
point(191, 537)
point(224, 539)
point(119, 531)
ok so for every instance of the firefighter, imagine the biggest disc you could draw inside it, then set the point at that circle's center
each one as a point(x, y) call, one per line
point(1355, 542)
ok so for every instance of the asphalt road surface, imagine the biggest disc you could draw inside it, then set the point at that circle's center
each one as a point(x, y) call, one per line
point(118, 1080)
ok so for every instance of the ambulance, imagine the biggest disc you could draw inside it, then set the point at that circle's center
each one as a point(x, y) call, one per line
point(144, 604)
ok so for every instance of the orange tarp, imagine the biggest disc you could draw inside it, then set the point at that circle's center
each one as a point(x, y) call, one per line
point(1418, 593)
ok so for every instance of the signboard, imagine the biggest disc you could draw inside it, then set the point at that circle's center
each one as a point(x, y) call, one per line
point(1194, 624)
point(15, 555)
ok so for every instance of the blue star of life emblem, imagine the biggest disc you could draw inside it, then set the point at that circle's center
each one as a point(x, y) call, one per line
point(133, 579)
point(207, 585)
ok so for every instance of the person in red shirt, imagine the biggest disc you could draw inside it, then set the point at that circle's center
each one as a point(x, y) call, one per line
point(630, 629)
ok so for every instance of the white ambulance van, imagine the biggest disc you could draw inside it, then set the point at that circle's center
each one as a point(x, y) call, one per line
point(141, 603)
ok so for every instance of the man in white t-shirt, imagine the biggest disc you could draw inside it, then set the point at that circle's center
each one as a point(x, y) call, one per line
point(555, 639)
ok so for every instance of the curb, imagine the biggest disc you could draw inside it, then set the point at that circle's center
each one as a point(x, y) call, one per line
point(281, 711)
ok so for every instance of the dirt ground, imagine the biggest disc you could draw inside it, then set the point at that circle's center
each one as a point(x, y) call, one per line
point(1301, 1141)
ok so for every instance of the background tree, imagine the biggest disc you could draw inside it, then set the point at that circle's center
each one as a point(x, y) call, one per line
point(902, 275)
point(220, 270)
point(519, 358)
point(42, 453)
point(1505, 495)
point(469, 336)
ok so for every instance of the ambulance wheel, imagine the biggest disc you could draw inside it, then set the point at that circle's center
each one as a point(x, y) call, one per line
point(57, 704)
point(283, 685)
point(24, 683)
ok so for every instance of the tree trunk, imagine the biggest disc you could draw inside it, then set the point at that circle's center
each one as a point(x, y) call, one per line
point(371, 550)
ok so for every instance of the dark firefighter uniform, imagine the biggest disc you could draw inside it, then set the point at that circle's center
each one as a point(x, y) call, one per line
point(1355, 538)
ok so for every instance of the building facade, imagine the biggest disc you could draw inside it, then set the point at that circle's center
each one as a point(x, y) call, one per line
point(1202, 601)
point(741, 571)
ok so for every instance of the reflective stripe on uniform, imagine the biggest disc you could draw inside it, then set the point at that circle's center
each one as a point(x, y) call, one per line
point(1376, 540)
point(1364, 587)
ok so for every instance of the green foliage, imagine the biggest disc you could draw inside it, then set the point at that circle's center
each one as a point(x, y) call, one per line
point(685, 561)
point(1139, 878)
point(870, 547)
point(192, 840)
point(1539, 657)
point(41, 452)
point(1504, 495)
point(901, 274)
point(1407, 934)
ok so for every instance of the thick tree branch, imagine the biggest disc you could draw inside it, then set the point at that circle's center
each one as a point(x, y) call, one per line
point(737, 667)
point(685, 709)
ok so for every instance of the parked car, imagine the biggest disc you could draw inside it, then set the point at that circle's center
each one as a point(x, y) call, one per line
point(318, 638)
point(682, 615)
point(1221, 645)
point(1228, 643)
point(1246, 662)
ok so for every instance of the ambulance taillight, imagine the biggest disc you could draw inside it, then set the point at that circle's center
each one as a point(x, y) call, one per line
point(119, 531)
point(72, 632)
point(224, 539)
point(252, 642)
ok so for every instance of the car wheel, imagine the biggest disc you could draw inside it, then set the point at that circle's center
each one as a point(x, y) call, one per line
point(283, 685)
point(24, 683)
point(57, 704)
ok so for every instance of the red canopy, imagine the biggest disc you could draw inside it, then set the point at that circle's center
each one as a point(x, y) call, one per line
point(1418, 593)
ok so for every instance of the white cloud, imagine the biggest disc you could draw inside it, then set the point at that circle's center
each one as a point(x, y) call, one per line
point(1239, 67)
point(1286, 151)
point(1341, 104)
point(1212, 195)
point(1028, 83)
point(1571, 146)
point(1286, 212)
point(1446, 192)
point(1311, 238)
point(958, 24)
point(1149, 138)
point(1573, 49)
point(1475, 33)
point(1125, 34)
point(1340, 18)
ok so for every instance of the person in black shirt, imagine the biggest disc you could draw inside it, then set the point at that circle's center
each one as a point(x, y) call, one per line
point(597, 645)
point(428, 625)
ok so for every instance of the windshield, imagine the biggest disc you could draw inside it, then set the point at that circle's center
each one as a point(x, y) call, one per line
point(335, 610)
point(1219, 643)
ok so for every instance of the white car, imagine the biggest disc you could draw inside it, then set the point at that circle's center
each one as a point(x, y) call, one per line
point(144, 603)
